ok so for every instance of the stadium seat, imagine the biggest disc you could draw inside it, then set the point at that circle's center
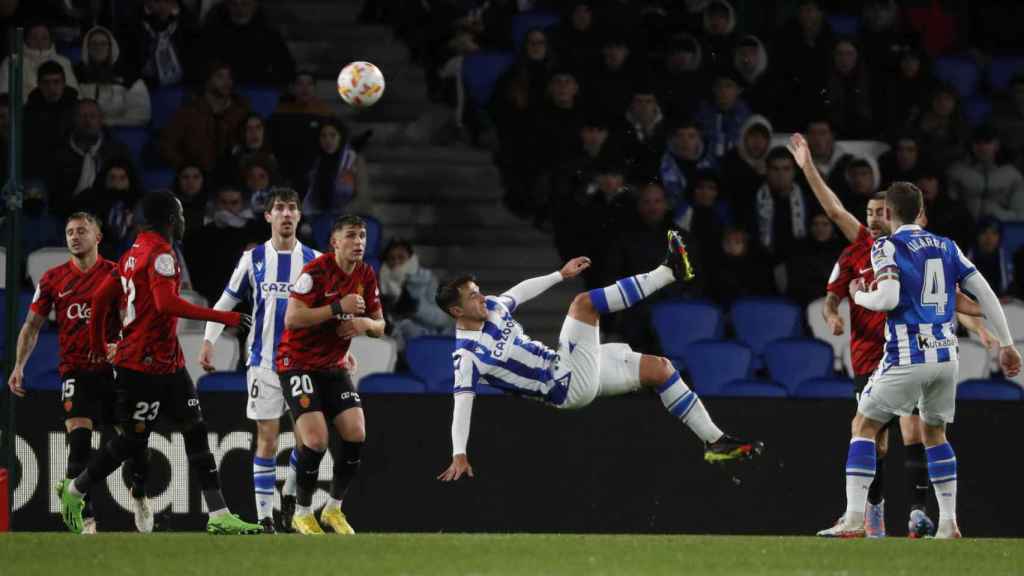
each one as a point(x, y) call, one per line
point(959, 71)
point(187, 324)
point(526, 21)
point(480, 74)
point(679, 322)
point(796, 360)
point(975, 361)
point(759, 321)
point(262, 99)
point(988, 390)
point(157, 179)
point(373, 235)
point(844, 25)
point(977, 109)
point(391, 384)
point(41, 369)
point(136, 139)
point(712, 363)
point(753, 388)
point(225, 354)
point(821, 331)
point(829, 387)
point(222, 382)
point(41, 260)
point(1002, 70)
point(165, 102)
point(1013, 237)
point(430, 360)
point(373, 355)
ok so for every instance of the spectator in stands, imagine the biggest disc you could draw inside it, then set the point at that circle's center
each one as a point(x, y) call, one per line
point(575, 39)
point(829, 157)
point(237, 32)
point(600, 210)
point(104, 77)
point(230, 227)
point(719, 38)
point(295, 126)
point(39, 49)
point(191, 189)
point(904, 91)
point(704, 215)
point(741, 271)
point(339, 174)
point(744, 168)
point(722, 117)
point(848, 93)
point(207, 126)
point(407, 292)
point(641, 132)
point(162, 43)
point(609, 88)
point(84, 155)
point(252, 140)
point(944, 216)
point(942, 127)
point(861, 185)
point(258, 176)
point(884, 37)
point(39, 227)
point(48, 118)
point(809, 267)
point(802, 53)
point(901, 162)
point(113, 199)
point(985, 183)
point(750, 61)
point(682, 79)
point(559, 120)
point(684, 155)
point(782, 211)
point(989, 257)
point(1008, 116)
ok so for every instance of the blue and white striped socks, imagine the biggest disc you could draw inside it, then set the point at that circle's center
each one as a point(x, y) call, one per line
point(860, 472)
point(264, 474)
point(628, 291)
point(684, 404)
point(942, 472)
point(290, 483)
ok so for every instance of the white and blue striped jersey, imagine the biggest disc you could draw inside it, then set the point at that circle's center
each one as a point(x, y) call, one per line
point(504, 357)
point(921, 329)
point(266, 276)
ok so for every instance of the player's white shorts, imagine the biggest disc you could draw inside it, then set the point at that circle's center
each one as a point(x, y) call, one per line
point(265, 401)
point(897, 390)
point(595, 369)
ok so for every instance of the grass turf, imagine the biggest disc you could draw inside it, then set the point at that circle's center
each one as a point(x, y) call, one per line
point(181, 554)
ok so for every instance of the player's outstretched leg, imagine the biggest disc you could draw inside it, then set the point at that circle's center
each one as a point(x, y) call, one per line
point(138, 468)
point(102, 464)
point(79, 452)
point(202, 464)
point(631, 290)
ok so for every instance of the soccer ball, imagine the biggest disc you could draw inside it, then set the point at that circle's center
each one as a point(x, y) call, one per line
point(360, 84)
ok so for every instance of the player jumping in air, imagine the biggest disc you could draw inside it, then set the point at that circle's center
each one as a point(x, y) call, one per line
point(87, 382)
point(867, 343)
point(334, 299)
point(917, 275)
point(491, 346)
point(150, 369)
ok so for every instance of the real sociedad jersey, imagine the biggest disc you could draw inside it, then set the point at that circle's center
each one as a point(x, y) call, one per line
point(921, 329)
point(504, 357)
point(267, 276)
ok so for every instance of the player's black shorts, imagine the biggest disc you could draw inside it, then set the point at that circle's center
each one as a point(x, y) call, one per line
point(312, 391)
point(859, 382)
point(88, 395)
point(143, 398)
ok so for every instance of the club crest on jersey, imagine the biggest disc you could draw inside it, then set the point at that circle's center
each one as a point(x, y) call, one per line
point(164, 264)
point(68, 405)
point(304, 401)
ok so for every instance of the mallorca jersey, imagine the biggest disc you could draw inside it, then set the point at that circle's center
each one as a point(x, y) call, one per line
point(68, 291)
point(921, 329)
point(267, 276)
point(503, 356)
point(149, 341)
point(319, 348)
point(867, 327)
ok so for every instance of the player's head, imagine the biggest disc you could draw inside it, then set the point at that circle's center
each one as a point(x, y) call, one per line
point(163, 214)
point(460, 297)
point(904, 202)
point(877, 219)
point(348, 238)
point(82, 233)
point(282, 211)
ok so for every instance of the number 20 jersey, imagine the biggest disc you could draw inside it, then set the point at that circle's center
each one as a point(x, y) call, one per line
point(921, 329)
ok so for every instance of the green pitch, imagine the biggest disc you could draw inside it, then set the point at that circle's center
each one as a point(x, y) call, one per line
point(182, 554)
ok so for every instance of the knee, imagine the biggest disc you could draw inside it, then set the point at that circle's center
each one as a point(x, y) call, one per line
point(355, 434)
point(582, 301)
point(315, 441)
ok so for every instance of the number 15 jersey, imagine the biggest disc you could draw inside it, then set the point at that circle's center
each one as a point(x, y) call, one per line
point(921, 329)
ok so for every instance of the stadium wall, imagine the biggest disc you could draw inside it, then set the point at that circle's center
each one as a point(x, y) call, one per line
point(621, 465)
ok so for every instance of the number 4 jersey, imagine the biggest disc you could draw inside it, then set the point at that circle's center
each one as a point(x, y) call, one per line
point(921, 329)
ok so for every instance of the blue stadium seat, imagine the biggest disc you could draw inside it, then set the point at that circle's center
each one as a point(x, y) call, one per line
point(795, 360)
point(165, 102)
point(374, 263)
point(430, 360)
point(526, 21)
point(480, 74)
point(73, 52)
point(1002, 70)
point(828, 387)
point(136, 139)
point(157, 179)
point(989, 390)
point(977, 109)
point(844, 25)
point(753, 388)
point(41, 369)
point(959, 71)
point(373, 234)
point(712, 363)
point(262, 99)
point(1013, 237)
point(391, 384)
point(679, 322)
point(759, 321)
point(222, 382)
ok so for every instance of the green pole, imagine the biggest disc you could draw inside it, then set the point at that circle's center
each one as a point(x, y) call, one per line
point(12, 201)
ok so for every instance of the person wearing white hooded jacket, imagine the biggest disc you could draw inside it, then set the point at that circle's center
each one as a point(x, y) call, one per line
point(39, 48)
point(407, 290)
point(122, 95)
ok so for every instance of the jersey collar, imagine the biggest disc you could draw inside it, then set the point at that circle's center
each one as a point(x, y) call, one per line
point(908, 228)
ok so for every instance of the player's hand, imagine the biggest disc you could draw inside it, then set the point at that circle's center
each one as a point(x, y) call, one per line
point(352, 328)
point(798, 148)
point(206, 356)
point(459, 466)
point(111, 352)
point(15, 383)
point(350, 364)
point(835, 324)
point(353, 304)
point(1009, 360)
point(575, 267)
point(856, 285)
point(988, 340)
point(244, 321)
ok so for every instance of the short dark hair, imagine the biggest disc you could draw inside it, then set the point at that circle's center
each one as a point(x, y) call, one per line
point(905, 200)
point(779, 153)
point(84, 216)
point(280, 194)
point(448, 292)
point(859, 162)
point(158, 207)
point(347, 220)
point(880, 195)
point(49, 68)
point(820, 119)
point(398, 242)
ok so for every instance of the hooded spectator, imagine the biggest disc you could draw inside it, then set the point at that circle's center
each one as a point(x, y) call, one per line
point(38, 50)
point(750, 62)
point(744, 168)
point(237, 32)
point(407, 292)
point(985, 183)
point(103, 77)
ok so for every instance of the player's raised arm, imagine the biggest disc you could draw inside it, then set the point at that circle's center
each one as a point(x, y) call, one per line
point(531, 288)
point(847, 223)
point(466, 376)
